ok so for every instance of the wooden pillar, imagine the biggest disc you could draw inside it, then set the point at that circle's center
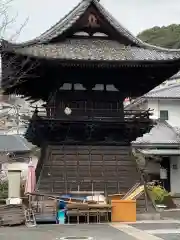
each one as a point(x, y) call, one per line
point(14, 183)
point(121, 108)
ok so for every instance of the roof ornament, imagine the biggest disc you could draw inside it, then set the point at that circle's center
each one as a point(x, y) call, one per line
point(92, 21)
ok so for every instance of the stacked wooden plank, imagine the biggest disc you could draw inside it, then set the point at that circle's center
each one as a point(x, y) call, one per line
point(46, 207)
point(11, 215)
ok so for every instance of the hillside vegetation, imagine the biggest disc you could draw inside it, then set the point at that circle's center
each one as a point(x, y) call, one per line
point(167, 37)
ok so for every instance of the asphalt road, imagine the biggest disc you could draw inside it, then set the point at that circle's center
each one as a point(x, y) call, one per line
point(164, 229)
point(147, 230)
point(55, 232)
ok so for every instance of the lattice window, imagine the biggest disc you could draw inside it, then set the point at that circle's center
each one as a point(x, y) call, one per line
point(164, 115)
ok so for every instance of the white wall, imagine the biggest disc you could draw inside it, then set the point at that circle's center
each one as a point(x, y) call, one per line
point(175, 174)
point(173, 107)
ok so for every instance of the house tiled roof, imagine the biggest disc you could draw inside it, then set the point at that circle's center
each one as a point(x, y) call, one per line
point(161, 133)
point(172, 92)
point(168, 91)
point(14, 143)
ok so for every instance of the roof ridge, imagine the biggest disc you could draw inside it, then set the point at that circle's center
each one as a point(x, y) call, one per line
point(144, 137)
point(173, 129)
point(82, 3)
point(65, 16)
point(134, 102)
point(133, 37)
point(165, 122)
point(125, 30)
point(169, 126)
point(136, 39)
point(160, 121)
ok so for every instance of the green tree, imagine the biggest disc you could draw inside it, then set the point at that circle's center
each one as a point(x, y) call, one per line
point(167, 37)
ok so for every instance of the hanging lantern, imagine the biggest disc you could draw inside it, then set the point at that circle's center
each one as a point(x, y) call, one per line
point(67, 111)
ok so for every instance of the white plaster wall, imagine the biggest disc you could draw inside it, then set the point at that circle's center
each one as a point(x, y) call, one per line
point(175, 174)
point(173, 107)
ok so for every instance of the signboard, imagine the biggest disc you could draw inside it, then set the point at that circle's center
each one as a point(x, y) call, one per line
point(163, 173)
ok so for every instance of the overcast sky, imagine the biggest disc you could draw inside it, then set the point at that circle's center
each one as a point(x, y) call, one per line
point(135, 15)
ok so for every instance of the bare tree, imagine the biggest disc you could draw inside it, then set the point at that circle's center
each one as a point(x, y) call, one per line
point(12, 73)
point(4, 19)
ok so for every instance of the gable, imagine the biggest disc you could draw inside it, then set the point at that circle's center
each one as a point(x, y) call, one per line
point(93, 24)
point(88, 19)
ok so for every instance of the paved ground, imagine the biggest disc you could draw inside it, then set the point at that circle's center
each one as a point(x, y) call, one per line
point(147, 230)
point(55, 232)
point(164, 229)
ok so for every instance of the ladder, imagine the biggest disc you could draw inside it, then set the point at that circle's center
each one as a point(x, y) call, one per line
point(30, 220)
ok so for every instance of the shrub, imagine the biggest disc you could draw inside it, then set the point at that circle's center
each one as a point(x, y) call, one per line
point(3, 189)
point(157, 193)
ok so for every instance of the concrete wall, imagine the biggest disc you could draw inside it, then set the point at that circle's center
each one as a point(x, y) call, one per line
point(14, 183)
point(23, 166)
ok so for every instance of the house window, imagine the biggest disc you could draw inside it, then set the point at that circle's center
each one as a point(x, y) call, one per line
point(164, 115)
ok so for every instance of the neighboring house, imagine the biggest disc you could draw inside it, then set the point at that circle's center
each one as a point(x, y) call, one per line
point(162, 145)
point(15, 130)
point(15, 113)
point(164, 101)
point(15, 153)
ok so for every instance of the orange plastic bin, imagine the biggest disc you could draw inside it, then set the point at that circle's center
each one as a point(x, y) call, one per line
point(123, 211)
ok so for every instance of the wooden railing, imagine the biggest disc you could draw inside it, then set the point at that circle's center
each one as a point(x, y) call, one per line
point(92, 114)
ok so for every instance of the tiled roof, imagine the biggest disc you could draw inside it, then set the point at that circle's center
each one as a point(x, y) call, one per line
point(175, 76)
point(161, 133)
point(14, 143)
point(72, 17)
point(91, 49)
point(172, 92)
point(167, 91)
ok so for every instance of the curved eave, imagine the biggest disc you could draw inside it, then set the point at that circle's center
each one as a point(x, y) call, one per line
point(103, 63)
point(93, 51)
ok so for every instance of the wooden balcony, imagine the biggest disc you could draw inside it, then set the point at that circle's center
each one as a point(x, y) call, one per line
point(95, 115)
